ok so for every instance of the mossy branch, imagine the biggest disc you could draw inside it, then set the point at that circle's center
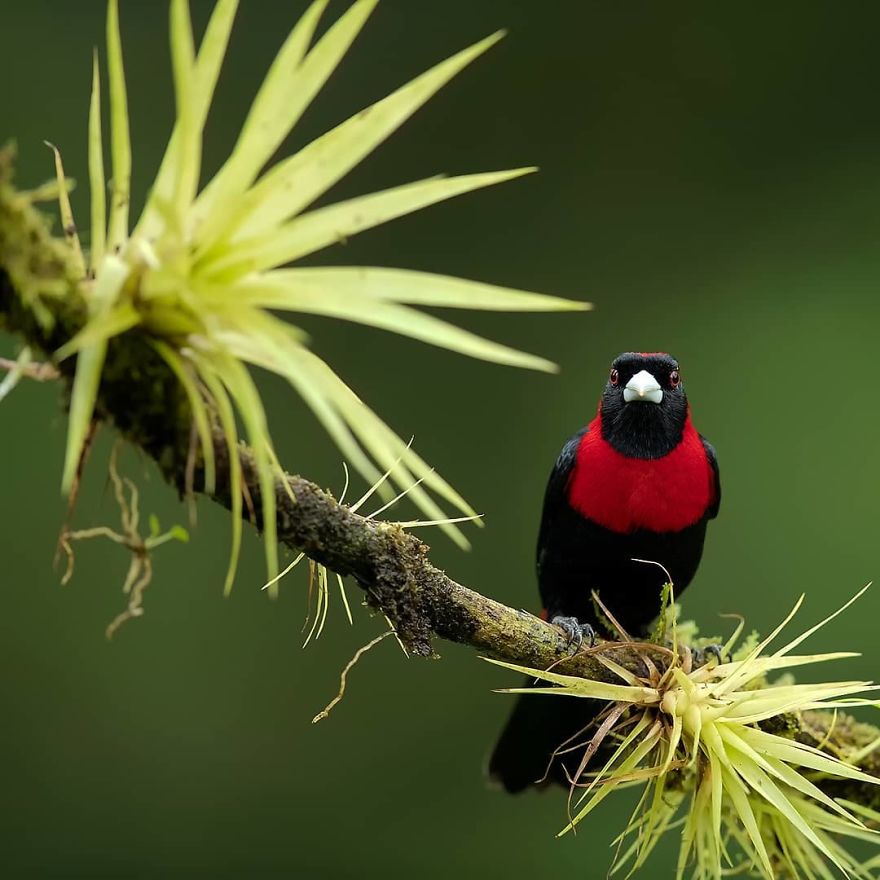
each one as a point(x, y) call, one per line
point(40, 302)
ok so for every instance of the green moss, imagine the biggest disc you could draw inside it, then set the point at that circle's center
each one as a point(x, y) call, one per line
point(38, 281)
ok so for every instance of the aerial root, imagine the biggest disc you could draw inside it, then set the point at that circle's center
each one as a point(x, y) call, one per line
point(140, 570)
point(343, 676)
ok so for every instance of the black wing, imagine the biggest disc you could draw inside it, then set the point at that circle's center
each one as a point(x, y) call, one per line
point(555, 496)
point(713, 460)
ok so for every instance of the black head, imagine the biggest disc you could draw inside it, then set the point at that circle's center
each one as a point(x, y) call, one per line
point(644, 407)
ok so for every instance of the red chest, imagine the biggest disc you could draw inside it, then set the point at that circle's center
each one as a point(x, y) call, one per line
point(624, 494)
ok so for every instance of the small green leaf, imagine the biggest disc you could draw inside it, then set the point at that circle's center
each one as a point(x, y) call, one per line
point(247, 401)
point(98, 195)
point(190, 143)
point(386, 315)
point(155, 528)
point(83, 395)
point(120, 141)
point(735, 791)
point(70, 233)
point(226, 415)
point(179, 533)
point(325, 226)
point(574, 686)
point(89, 364)
point(373, 283)
point(197, 407)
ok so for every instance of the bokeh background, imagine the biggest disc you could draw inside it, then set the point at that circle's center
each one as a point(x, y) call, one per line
point(710, 179)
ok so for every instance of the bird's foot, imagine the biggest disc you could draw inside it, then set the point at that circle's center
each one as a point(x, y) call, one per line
point(700, 656)
point(575, 631)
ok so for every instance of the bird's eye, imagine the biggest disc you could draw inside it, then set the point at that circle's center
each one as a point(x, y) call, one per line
point(674, 379)
point(614, 378)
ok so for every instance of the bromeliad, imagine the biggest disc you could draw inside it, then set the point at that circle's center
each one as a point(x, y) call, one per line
point(204, 268)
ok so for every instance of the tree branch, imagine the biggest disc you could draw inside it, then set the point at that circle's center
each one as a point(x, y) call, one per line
point(39, 301)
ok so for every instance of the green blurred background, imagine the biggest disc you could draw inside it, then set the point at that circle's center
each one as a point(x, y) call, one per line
point(710, 179)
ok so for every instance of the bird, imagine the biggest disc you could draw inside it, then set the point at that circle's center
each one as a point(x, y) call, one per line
point(637, 485)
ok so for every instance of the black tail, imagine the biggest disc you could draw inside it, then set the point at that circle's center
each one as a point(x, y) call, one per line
point(538, 726)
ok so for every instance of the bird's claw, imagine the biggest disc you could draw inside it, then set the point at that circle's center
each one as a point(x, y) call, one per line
point(575, 631)
point(717, 651)
point(699, 655)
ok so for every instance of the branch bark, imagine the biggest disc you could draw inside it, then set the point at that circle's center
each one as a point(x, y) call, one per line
point(138, 394)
